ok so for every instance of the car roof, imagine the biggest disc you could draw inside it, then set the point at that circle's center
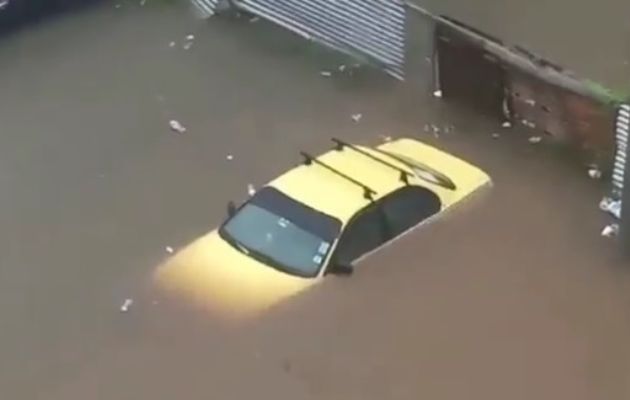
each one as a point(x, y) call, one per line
point(323, 190)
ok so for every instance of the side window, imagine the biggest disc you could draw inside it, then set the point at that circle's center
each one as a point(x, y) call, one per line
point(363, 235)
point(407, 207)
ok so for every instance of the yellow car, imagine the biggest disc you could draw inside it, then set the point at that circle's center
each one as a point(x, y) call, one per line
point(318, 218)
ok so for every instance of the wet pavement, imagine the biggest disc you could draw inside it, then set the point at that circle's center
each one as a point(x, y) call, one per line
point(512, 296)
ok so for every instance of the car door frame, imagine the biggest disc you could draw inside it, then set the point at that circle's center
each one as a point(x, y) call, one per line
point(379, 204)
point(333, 253)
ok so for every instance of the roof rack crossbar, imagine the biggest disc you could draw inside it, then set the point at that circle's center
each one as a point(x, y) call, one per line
point(404, 175)
point(368, 192)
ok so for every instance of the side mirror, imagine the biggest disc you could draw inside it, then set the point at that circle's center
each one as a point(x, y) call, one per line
point(344, 269)
point(231, 208)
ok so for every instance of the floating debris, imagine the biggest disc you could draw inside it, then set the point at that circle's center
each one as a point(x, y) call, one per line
point(611, 206)
point(327, 74)
point(254, 19)
point(251, 190)
point(357, 117)
point(169, 250)
point(496, 136)
point(189, 42)
point(385, 138)
point(342, 67)
point(611, 230)
point(594, 172)
point(229, 157)
point(535, 139)
point(126, 305)
point(506, 124)
point(528, 124)
point(143, 2)
point(172, 44)
point(177, 126)
point(438, 94)
point(117, 6)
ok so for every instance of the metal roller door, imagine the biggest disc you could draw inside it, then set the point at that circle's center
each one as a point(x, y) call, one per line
point(205, 8)
point(372, 30)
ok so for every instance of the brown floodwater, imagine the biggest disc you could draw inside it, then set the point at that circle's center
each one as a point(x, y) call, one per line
point(514, 295)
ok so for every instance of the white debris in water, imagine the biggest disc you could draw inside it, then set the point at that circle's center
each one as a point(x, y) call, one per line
point(594, 172)
point(610, 230)
point(126, 305)
point(229, 157)
point(528, 124)
point(177, 126)
point(506, 124)
point(189, 42)
point(357, 117)
point(172, 44)
point(342, 68)
point(251, 190)
point(438, 94)
point(325, 73)
point(143, 2)
point(117, 6)
point(611, 206)
point(169, 250)
point(495, 136)
point(535, 139)
point(386, 138)
point(254, 19)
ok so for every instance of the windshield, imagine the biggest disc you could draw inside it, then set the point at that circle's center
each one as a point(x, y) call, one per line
point(282, 233)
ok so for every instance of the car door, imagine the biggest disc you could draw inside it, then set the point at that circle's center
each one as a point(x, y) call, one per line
point(408, 207)
point(364, 233)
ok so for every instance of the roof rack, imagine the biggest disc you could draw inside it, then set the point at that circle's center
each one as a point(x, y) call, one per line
point(404, 175)
point(368, 193)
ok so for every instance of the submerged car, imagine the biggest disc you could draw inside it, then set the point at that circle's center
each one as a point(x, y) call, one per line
point(319, 218)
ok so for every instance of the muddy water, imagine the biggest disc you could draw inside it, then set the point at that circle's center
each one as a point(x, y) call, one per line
point(514, 295)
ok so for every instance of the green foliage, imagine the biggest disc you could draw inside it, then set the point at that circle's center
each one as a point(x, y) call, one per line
point(611, 96)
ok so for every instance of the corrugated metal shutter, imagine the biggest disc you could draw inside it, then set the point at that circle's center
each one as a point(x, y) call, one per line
point(622, 133)
point(205, 8)
point(373, 30)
